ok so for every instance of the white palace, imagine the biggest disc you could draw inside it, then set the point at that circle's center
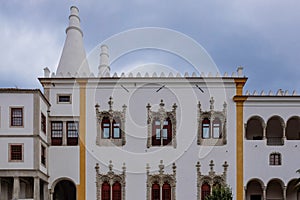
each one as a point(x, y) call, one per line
point(144, 136)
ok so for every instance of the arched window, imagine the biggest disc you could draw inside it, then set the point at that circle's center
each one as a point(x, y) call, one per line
point(275, 159)
point(217, 128)
point(155, 191)
point(116, 195)
point(205, 190)
point(166, 192)
point(293, 129)
point(274, 131)
point(105, 126)
point(161, 133)
point(206, 128)
point(254, 129)
point(105, 191)
point(116, 129)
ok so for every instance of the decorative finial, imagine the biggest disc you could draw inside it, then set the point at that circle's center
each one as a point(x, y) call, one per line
point(148, 106)
point(211, 165)
point(225, 165)
point(174, 106)
point(110, 103)
point(174, 169)
point(124, 168)
point(199, 106)
point(211, 101)
point(198, 166)
point(124, 108)
point(97, 106)
point(161, 103)
point(147, 168)
point(110, 166)
point(161, 167)
point(97, 168)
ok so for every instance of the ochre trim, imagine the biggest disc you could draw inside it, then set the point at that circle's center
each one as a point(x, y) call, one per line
point(239, 100)
point(81, 188)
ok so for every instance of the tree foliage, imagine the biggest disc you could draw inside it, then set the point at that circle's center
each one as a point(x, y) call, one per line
point(220, 193)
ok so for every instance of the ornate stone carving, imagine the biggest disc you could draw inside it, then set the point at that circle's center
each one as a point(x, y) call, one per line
point(110, 177)
point(211, 115)
point(212, 178)
point(161, 115)
point(111, 114)
point(161, 177)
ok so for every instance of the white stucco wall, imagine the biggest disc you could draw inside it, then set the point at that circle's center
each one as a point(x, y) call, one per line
point(24, 100)
point(135, 153)
point(256, 152)
point(27, 162)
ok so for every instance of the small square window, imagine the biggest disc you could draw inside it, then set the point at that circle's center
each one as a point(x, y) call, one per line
point(15, 152)
point(64, 98)
point(16, 118)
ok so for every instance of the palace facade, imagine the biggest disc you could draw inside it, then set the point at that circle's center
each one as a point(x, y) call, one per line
point(144, 136)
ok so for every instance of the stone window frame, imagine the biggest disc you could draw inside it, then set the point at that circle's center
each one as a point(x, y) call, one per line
point(58, 101)
point(161, 177)
point(162, 115)
point(111, 177)
point(64, 120)
point(111, 114)
point(273, 161)
point(211, 178)
point(11, 124)
point(10, 153)
point(211, 115)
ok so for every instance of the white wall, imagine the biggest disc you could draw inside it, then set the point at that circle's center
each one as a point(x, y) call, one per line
point(28, 153)
point(256, 153)
point(24, 100)
point(136, 154)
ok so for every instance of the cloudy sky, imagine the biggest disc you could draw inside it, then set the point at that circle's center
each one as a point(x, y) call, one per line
point(263, 36)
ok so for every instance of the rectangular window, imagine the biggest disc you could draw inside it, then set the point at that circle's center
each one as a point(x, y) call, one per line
point(16, 152)
point(72, 133)
point(56, 133)
point(43, 123)
point(16, 117)
point(275, 159)
point(64, 98)
point(43, 155)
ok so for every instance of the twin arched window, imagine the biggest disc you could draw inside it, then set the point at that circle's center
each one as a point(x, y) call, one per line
point(116, 191)
point(166, 191)
point(111, 129)
point(211, 130)
point(161, 132)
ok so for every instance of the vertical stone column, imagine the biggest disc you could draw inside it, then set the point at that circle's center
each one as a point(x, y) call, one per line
point(51, 194)
point(264, 192)
point(16, 189)
point(245, 193)
point(160, 189)
point(36, 191)
point(64, 139)
point(284, 193)
point(264, 132)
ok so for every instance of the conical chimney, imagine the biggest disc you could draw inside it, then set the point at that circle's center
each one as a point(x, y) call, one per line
point(73, 57)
